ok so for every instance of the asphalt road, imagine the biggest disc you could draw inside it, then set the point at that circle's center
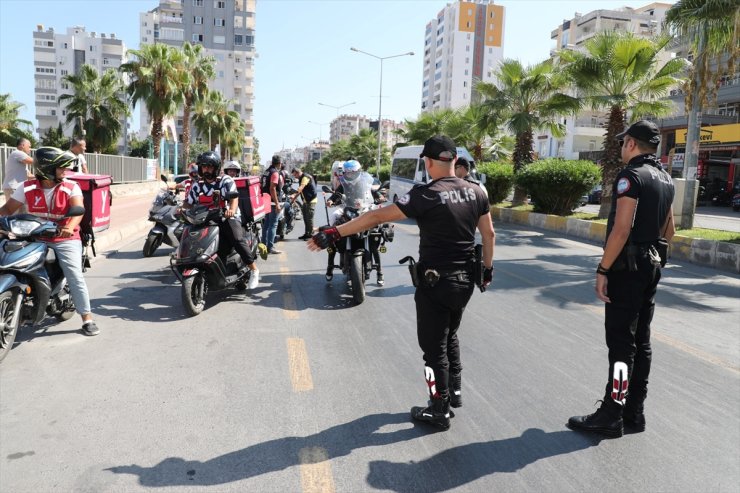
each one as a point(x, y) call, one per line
point(291, 388)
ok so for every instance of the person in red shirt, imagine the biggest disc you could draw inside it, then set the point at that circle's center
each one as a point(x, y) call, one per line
point(50, 195)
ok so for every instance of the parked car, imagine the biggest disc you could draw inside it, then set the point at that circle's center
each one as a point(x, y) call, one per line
point(594, 196)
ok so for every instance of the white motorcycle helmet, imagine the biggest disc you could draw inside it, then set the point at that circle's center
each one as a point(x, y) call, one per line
point(232, 165)
point(352, 171)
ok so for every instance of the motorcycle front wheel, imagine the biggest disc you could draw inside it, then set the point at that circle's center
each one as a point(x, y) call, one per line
point(69, 310)
point(150, 245)
point(358, 279)
point(194, 290)
point(8, 330)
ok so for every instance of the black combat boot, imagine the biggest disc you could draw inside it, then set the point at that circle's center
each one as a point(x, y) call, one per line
point(437, 414)
point(455, 390)
point(607, 420)
point(634, 417)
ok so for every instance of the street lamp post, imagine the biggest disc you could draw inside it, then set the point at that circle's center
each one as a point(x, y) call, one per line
point(336, 108)
point(380, 95)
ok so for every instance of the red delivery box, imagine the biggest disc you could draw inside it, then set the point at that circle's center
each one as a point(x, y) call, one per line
point(97, 199)
point(252, 202)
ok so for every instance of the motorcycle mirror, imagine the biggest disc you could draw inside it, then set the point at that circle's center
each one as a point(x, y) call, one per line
point(326, 189)
point(163, 178)
point(75, 210)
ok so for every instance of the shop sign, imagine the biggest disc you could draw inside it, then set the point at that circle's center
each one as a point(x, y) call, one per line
point(716, 134)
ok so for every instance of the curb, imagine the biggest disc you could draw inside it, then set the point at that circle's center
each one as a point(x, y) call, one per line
point(719, 255)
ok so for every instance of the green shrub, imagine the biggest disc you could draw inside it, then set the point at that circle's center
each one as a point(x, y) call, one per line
point(499, 179)
point(557, 185)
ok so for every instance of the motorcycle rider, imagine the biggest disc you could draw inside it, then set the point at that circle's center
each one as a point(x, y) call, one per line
point(212, 191)
point(351, 172)
point(232, 169)
point(50, 195)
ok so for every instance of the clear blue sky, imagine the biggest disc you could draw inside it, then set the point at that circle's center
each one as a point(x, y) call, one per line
point(304, 55)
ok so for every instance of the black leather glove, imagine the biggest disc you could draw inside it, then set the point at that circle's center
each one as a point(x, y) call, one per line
point(487, 276)
point(326, 238)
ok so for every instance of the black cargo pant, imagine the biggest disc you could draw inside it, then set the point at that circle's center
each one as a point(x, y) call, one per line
point(439, 310)
point(231, 233)
point(627, 324)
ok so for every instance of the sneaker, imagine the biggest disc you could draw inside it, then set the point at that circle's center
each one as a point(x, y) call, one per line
point(381, 281)
point(262, 248)
point(329, 273)
point(275, 251)
point(254, 278)
point(90, 329)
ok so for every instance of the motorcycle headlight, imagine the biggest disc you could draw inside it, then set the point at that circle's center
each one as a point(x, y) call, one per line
point(20, 227)
point(25, 261)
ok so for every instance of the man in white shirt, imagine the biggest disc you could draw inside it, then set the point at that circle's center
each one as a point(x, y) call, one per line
point(78, 147)
point(16, 167)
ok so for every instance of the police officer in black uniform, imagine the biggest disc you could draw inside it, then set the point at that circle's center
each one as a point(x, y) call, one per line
point(627, 279)
point(462, 170)
point(448, 210)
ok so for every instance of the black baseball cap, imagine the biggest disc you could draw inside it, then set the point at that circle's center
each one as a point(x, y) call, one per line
point(644, 130)
point(439, 147)
point(461, 161)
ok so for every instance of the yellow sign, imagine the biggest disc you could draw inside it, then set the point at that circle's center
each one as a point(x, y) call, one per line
point(716, 134)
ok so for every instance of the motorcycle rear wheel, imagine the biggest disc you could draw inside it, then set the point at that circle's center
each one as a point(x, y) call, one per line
point(297, 212)
point(150, 245)
point(8, 331)
point(194, 290)
point(357, 278)
point(70, 311)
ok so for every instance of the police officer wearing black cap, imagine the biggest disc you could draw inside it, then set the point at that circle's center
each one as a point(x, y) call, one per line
point(462, 170)
point(448, 210)
point(640, 224)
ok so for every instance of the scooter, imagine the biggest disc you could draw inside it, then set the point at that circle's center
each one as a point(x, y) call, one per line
point(197, 263)
point(167, 228)
point(32, 283)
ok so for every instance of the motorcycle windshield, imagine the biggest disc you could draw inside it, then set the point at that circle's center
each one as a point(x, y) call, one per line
point(358, 192)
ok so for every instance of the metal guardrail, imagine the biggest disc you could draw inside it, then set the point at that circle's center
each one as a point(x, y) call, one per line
point(122, 169)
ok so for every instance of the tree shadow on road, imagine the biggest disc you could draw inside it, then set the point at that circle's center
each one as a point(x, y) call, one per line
point(278, 454)
point(460, 465)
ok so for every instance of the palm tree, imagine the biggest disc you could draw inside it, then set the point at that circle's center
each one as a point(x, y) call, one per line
point(533, 100)
point(11, 125)
point(472, 127)
point(621, 73)
point(198, 70)
point(98, 102)
point(209, 116)
point(155, 80)
point(711, 27)
point(232, 135)
point(426, 126)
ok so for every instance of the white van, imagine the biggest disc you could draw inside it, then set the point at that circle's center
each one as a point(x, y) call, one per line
point(407, 169)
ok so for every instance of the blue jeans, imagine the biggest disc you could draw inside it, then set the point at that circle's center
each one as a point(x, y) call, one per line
point(270, 228)
point(69, 254)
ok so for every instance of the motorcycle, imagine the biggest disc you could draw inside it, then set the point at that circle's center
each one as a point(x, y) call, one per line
point(357, 252)
point(32, 283)
point(736, 202)
point(199, 265)
point(167, 228)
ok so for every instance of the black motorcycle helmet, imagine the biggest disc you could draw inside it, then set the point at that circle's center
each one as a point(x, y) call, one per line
point(48, 159)
point(208, 158)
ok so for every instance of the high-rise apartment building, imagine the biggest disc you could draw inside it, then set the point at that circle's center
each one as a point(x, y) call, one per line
point(585, 132)
point(345, 126)
point(226, 31)
point(56, 55)
point(462, 45)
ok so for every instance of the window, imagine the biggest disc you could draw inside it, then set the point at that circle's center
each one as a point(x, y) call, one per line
point(219, 22)
point(65, 45)
point(465, 83)
point(148, 31)
point(219, 40)
point(105, 61)
point(467, 47)
point(467, 60)
point(491, 15)
point(198, 38)
point(197, 3)
point(65, 72)
point(404, 168)
point(238, 22)
point(218, 4)
point(45, 70)
point(65, 86)
point(220, 74)
point(46, 84)
point(197, 20)
point(92, 48)
point(43, 43)
point(468, 24)
point(238, 39)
